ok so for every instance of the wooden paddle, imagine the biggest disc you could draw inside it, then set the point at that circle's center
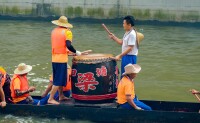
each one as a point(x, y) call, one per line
point(107, 30)
point(196, 95)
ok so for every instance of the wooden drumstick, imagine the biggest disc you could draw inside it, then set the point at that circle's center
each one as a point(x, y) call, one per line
point(83, 53)
point(107, 30)
point(86, 52)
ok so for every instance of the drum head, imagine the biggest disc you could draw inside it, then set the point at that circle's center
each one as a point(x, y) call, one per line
point(93, 58)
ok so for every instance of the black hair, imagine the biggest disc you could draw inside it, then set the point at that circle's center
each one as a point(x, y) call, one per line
point(130, 20)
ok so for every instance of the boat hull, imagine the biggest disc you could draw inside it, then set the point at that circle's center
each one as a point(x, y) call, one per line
point(164, 112)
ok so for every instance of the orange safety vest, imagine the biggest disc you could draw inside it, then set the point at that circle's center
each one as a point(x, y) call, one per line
point(58, 41)
point(23, 86)
point(3, 78)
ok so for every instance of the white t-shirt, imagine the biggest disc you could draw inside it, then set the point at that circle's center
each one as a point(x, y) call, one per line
point(130, 39)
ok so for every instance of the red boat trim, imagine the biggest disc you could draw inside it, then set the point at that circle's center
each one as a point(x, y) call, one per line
point(94, 97)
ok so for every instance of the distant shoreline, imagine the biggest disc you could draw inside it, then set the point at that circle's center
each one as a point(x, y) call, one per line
point(107, 21)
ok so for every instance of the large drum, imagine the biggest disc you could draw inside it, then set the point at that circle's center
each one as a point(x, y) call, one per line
point(94, 78)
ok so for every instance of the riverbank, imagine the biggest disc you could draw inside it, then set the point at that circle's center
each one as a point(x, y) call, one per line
point(107, 21)
point(145, 10)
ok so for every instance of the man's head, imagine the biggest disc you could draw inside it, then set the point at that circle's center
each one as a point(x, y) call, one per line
point(128, 22)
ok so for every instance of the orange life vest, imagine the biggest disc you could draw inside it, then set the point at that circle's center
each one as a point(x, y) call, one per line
point(58, 41)
point(3, 78)
point(23, 86)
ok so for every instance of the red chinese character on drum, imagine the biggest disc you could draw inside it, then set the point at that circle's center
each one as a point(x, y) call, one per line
point(74, 71)
point(86, 81)
point(101, 71)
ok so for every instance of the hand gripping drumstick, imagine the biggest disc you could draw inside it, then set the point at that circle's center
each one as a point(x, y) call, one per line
point(107, 30)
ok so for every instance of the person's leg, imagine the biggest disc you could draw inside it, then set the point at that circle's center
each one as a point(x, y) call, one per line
point(36, 102)
point(61, 95)
point(56, 96)
point(22, 102)
point(63, 81)
point(44, 100)
point(51, 99)
point(126, 106)
point(142, 105)
point(59, 79)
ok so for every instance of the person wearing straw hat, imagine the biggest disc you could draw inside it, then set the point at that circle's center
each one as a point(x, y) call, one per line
point(129, 43)
point(20, 87)
point(126, 96)
point(61, 39)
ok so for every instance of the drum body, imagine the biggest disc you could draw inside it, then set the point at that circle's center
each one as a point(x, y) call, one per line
point(94, 78)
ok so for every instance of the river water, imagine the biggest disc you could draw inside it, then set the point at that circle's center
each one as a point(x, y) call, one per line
point(169, 57)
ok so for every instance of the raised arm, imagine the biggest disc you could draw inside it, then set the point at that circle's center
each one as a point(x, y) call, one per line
point(115, 38)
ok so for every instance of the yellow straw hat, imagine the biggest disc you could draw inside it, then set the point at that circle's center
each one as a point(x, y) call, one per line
point(22, 69)
point(140, 36)
point(62, 21)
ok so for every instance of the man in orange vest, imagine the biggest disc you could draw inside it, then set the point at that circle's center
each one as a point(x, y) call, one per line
point(126, 96)
point(2, 96)
point(61, 39)
point(5, 84)
point(20, 87)
point(66, 90)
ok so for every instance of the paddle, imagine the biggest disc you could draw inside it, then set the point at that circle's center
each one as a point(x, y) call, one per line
point(107, 30)
point(196, 95)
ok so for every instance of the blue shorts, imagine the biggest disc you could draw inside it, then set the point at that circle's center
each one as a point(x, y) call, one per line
point(137, 103)
point(44, 100)
point(126, 60)
point(59, 74)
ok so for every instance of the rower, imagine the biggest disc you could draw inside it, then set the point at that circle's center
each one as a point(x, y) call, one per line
point(20, 87)
point(126, 96)
point(5, 84)
point(2, 96)
point(66, 90)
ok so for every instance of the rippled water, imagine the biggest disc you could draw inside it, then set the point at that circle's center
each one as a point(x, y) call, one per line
point(169, 56)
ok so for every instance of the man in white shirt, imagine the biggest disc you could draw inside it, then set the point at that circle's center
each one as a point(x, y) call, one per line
point(129, 43)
